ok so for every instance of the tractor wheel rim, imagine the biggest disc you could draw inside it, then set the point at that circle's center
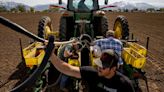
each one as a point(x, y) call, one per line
point(118, 30)
point(47, 31)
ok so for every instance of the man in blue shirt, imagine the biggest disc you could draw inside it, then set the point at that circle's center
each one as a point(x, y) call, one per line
point(111, 43)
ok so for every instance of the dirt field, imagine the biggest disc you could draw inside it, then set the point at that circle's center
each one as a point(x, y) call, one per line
point(143, 25)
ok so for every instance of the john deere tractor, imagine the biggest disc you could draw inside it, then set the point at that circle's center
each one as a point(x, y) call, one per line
point(83, 17)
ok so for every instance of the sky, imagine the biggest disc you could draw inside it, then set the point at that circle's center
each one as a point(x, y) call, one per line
point(36, 2)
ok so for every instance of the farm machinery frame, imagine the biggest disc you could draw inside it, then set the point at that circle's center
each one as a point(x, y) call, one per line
point(86, 26)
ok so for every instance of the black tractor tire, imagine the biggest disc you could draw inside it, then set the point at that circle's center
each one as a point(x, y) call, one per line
point(100, 25)
point(62, 29)
point(121, 28)
point(66, 28)
point(44, 22)
point(104, 25)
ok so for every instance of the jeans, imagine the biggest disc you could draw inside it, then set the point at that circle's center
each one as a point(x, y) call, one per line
point(63, 81)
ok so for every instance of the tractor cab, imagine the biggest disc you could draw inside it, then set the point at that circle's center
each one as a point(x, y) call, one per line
point(82, 5)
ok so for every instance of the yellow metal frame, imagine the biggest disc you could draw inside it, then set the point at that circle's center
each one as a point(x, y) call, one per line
point(140, 49)
point(76, 62)
point(134, 55)
point(33, 54)
point(133, 58)
point(92, 59)
point(48, 32)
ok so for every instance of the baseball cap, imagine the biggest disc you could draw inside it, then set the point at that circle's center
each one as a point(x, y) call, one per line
point(107, 59)
point(110, 33)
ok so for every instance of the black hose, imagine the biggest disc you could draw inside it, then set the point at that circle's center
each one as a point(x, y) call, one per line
point(33, 77)
point(19, 29)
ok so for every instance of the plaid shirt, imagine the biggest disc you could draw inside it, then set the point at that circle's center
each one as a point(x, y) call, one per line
point(111, 43)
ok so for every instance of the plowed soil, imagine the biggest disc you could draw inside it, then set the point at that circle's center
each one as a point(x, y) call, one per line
point(142, 25)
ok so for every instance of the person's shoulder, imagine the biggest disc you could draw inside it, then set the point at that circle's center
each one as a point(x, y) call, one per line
point(123, 78)
point(126, 83)
point(117, 40)
point(103, 39)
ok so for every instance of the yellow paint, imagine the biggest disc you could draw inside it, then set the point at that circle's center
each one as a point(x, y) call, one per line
point(33, 54)
point(133, 58)
point(118, 30)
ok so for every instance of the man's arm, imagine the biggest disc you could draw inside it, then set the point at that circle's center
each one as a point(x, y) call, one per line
point(65, 67)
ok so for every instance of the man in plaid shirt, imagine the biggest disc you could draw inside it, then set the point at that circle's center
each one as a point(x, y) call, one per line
point(111, 43)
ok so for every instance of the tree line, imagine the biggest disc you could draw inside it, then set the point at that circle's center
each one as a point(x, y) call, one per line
point(22, 8)
point(18, 8)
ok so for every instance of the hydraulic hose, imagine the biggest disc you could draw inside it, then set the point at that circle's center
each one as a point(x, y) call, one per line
point(22, 30)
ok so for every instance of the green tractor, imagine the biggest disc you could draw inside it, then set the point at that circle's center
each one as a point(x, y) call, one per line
point(83, 17)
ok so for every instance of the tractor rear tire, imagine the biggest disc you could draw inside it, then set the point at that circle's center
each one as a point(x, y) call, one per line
point(66, 28)
point(121, 28)
point(104, 25)
point(44, 27)
point(100, 25)
point(62, 29)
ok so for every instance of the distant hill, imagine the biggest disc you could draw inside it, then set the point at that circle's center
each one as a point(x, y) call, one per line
point(130, 6)
point(41, 7)
point(10, 5)
point(144, 6)
point(120, 5)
